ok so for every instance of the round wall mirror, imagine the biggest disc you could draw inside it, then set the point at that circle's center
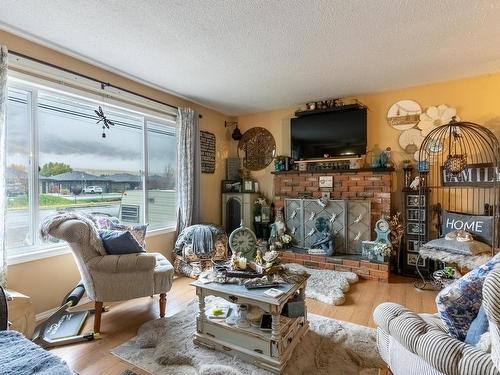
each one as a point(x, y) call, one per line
point(257, 148)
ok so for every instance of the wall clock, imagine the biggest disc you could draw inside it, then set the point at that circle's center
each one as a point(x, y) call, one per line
point(383, 230)
point(243, 240)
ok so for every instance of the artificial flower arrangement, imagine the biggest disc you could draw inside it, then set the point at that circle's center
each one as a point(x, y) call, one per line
point(397, 230)
point(382, 249)
point(283, 242)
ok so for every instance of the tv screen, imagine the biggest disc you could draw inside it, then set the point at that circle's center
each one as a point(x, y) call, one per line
point(337, 133)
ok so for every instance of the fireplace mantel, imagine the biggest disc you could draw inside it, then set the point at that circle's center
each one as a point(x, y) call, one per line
point(329, 171)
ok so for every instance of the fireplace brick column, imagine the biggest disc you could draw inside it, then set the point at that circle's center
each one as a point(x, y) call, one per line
point(374, 185)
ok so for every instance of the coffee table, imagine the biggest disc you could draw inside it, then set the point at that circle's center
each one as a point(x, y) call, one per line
point(270, 350)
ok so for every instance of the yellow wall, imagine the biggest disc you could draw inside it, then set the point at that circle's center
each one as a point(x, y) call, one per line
point(477, 99)
point(48, 280)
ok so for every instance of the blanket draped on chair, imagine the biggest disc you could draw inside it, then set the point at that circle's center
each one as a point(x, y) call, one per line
point(200, 236)
point(54, 221)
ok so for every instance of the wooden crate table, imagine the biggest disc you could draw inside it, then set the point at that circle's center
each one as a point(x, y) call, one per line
point(270, 350)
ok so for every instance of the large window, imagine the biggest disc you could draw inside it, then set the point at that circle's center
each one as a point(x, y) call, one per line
point(58, 161)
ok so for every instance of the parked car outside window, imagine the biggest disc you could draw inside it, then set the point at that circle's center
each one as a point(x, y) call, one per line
point(92, 190)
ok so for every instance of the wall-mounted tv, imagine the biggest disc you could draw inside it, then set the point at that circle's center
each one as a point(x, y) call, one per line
point(336, 133)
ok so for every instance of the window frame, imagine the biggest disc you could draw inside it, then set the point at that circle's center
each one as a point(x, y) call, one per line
point(34, 86)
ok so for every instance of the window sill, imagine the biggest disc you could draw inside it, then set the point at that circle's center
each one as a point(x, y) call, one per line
point(47, 252)
point(37, 254)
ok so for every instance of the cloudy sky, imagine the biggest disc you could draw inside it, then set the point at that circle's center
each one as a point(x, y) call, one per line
point(66, 136)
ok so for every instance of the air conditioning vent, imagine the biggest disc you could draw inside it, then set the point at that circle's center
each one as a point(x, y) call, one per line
point(130, 213)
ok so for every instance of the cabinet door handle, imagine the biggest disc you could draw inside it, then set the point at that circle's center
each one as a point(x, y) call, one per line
point(233, 299)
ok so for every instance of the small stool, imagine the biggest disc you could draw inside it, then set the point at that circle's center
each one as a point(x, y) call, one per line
point(21, 313)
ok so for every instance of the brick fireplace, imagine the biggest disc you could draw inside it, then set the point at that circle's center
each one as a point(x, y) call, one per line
point(368, 184)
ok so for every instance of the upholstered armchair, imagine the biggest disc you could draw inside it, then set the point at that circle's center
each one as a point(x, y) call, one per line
point(413, 344)
point(110, 278)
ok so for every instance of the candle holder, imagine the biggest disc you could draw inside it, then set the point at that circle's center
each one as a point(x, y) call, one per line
point(407, 175)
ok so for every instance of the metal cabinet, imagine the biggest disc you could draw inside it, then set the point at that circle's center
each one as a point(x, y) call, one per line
point(237, 207)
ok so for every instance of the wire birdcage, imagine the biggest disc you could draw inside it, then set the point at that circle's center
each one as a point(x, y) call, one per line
point(459, 170)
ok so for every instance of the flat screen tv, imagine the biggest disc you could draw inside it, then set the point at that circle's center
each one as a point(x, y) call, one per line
point(337, 133)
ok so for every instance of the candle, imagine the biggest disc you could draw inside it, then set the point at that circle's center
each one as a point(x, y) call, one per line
point(242, 263)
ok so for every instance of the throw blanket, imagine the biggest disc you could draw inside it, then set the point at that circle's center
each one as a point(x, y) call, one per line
point(19, 356)
point(54, 221)
point(200, 236)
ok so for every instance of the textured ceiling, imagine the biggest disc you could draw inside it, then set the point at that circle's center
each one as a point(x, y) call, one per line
point(256, 55)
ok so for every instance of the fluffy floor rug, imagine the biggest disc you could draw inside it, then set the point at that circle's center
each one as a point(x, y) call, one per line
point(326, 286)
point(165, 346)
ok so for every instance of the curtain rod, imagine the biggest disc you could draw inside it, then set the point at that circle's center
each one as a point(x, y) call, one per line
point(102, 83)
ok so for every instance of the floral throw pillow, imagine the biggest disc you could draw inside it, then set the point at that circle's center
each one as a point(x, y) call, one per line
point(138, 231)
point(458, 304)
point(105, 222)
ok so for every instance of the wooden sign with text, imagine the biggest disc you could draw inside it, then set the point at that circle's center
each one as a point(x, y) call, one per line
point(474, 175)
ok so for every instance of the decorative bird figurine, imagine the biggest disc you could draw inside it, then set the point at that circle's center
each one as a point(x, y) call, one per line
point(358, 219)
point(311, 233)
point(415, 183)
point(323, 202)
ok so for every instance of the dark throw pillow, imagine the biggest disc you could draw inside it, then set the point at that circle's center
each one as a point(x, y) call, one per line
point(138, 231)
point(117, 242)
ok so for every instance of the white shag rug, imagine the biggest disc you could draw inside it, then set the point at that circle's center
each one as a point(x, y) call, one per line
point(165, 347)
point(326, 286)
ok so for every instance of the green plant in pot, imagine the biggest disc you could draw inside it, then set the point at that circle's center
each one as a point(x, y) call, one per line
point(448, 273)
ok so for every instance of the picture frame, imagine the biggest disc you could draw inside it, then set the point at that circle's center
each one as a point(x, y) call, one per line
point(415, 200)
point(415, 214)
point(248, 186)
point(367, 248)
point(231, 186)
point(265, 213)
point(413, 259)
point(412, 246)
point(415, 229)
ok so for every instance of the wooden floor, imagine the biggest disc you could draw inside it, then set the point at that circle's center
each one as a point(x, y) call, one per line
point(122, 321)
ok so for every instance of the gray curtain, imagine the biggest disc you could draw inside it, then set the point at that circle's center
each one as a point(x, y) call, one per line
point(188, 168)
point(3, 108)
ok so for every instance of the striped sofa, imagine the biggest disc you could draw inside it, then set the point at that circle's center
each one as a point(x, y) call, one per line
point(413, 344)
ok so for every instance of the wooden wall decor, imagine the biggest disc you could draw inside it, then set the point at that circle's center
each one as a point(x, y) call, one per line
point(207, 146)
